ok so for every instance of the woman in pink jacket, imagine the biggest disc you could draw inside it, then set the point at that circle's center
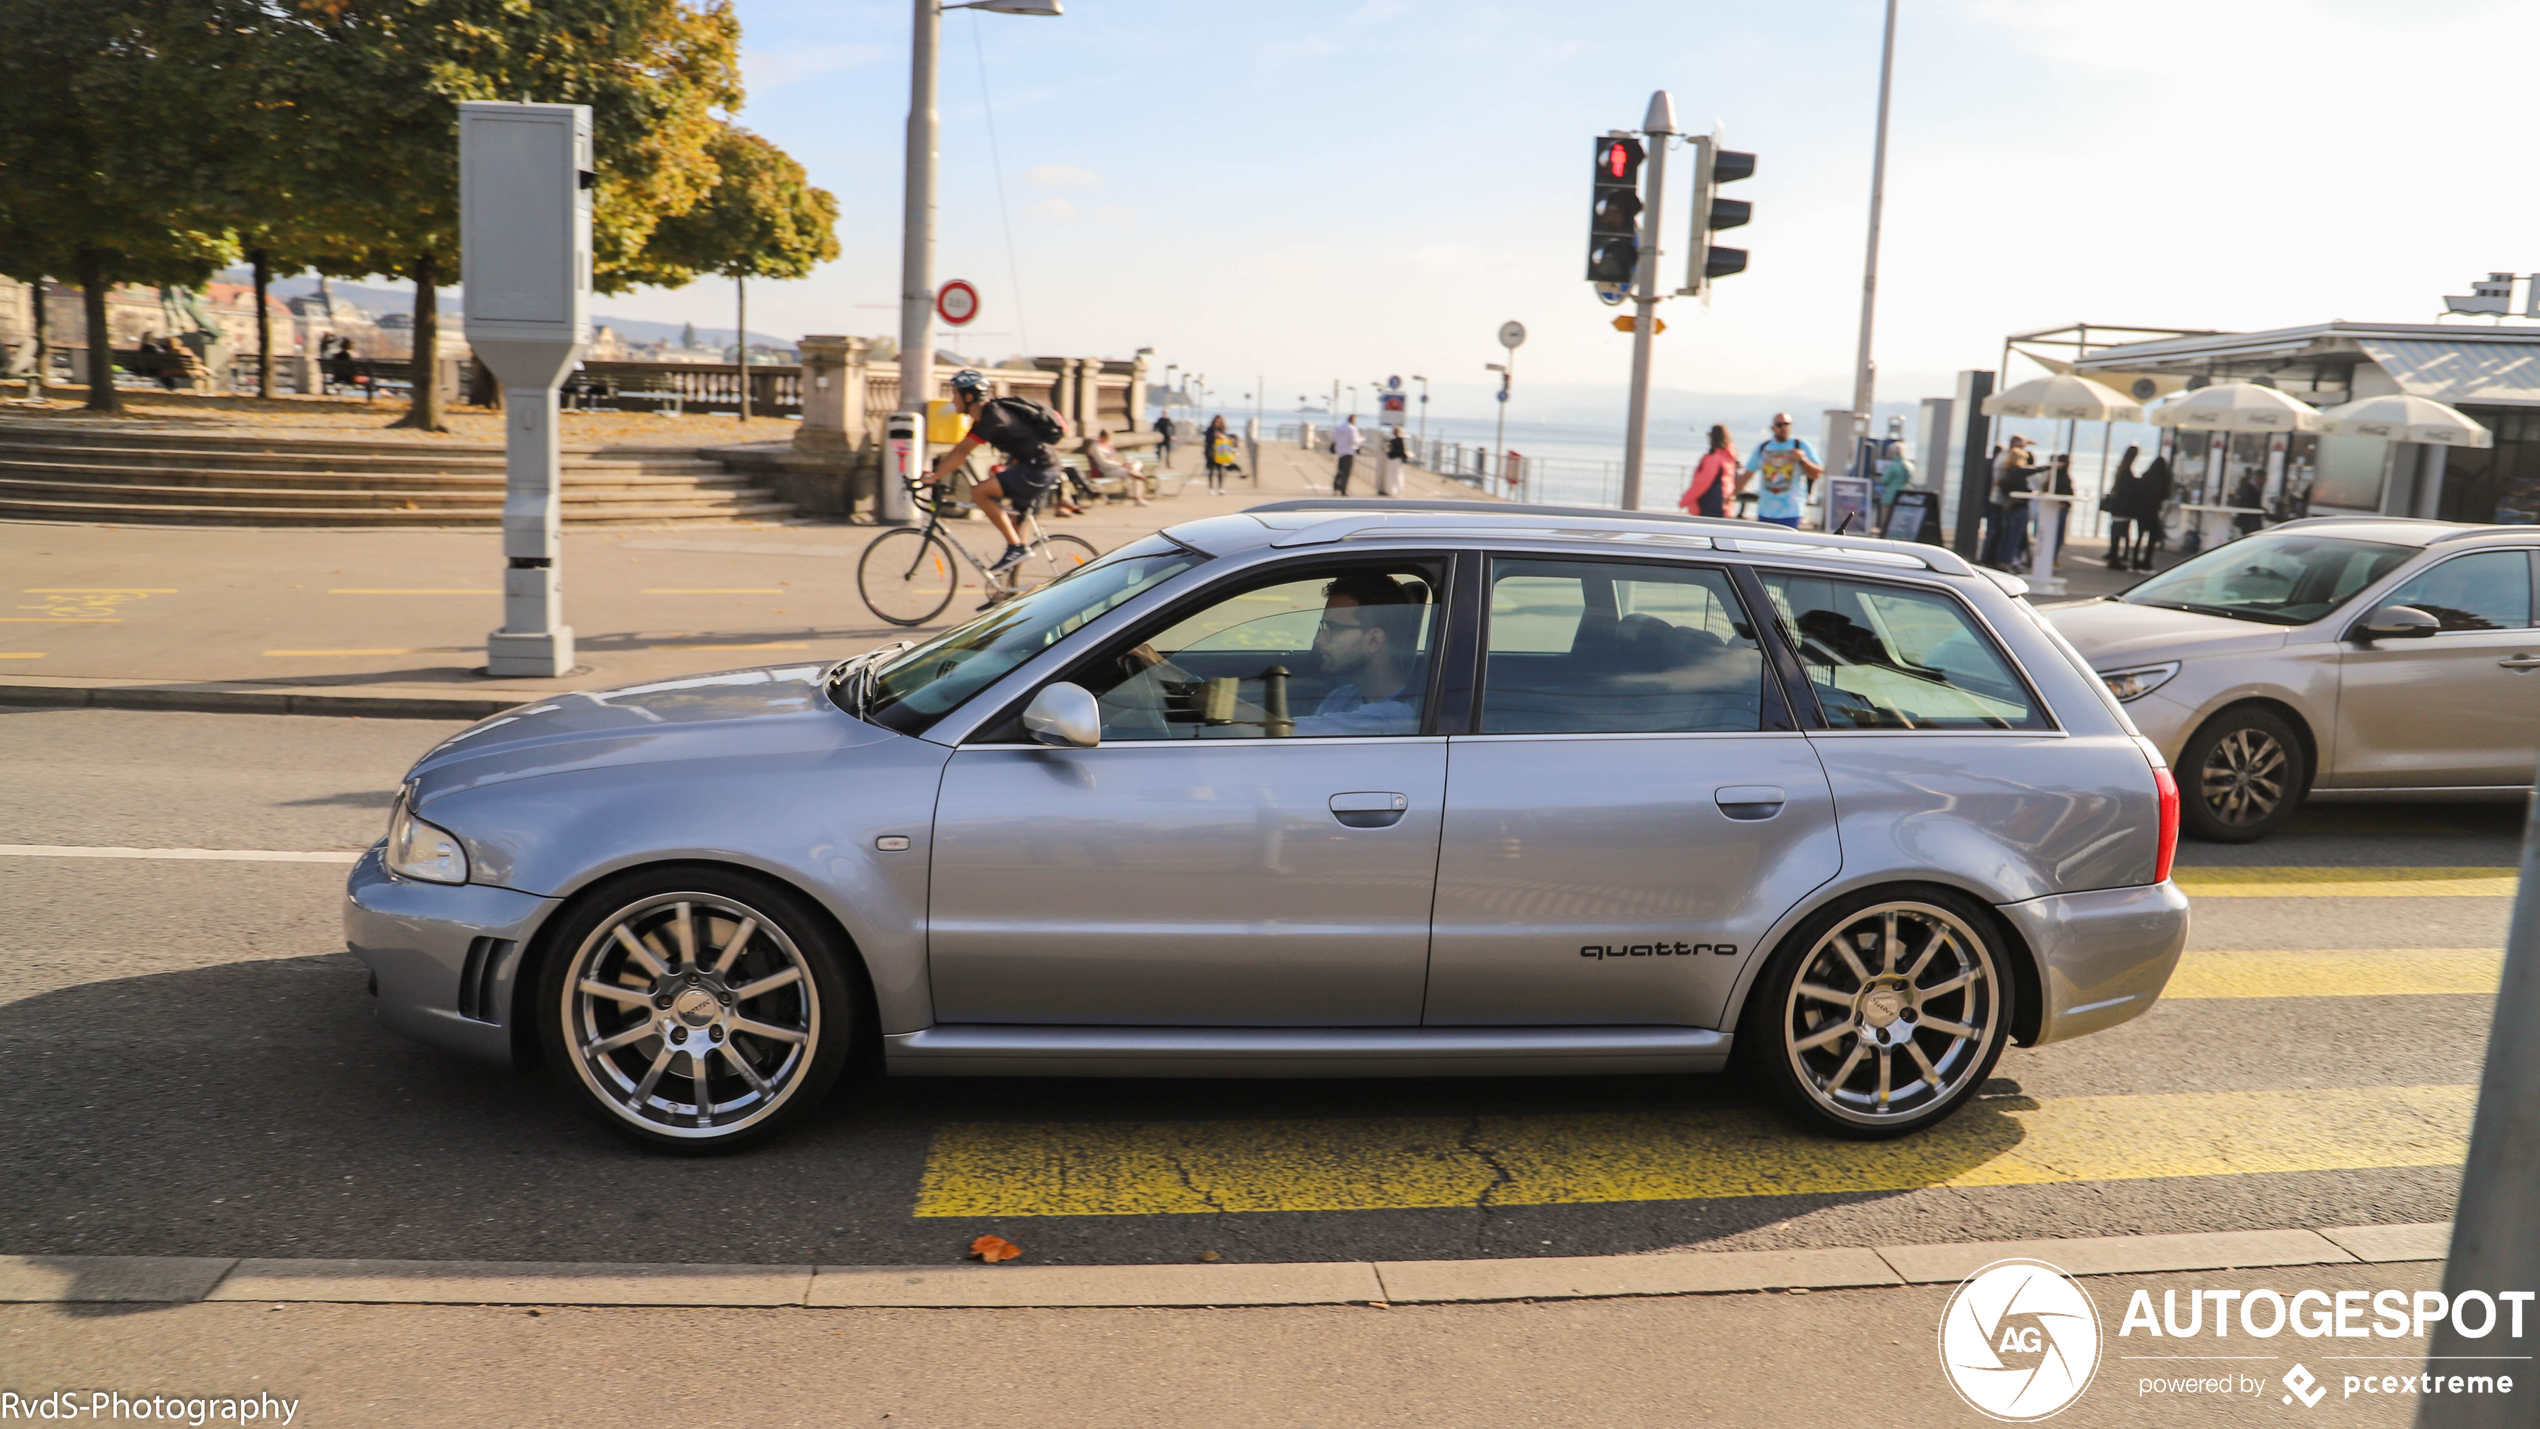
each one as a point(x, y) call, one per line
point(1708, 495)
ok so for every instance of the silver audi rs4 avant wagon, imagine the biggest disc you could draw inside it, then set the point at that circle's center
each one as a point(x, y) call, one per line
point(1326, 789)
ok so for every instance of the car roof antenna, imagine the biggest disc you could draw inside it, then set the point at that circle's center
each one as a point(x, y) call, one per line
point(1846, 523)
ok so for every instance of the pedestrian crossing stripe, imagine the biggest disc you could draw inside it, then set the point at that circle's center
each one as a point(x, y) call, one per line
point(2349, 972)
point(2345, 882)
point(1603, 1158)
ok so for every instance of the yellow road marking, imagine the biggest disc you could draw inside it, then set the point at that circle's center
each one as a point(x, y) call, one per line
point(2333, 882)
point(2339, 972)
point(716, 590)
point(1383, 1163)
point(771, 645)
point(63, 619)
point(365, 590)
point(280, 653)
point(97, 590)
point(21, 654)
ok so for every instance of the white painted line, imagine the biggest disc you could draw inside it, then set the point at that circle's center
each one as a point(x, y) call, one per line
point(2119, 1255)
point(231, 855)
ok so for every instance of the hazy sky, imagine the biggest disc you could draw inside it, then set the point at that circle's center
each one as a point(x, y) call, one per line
point(1312, 191)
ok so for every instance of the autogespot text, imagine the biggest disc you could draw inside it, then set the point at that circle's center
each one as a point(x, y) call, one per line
point(2373, 1317)
point(106, 1405)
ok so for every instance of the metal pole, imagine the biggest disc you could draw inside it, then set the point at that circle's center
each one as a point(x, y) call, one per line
point(1660, 125)
point(2493, 1248)
point(741, 301)
point(1865, 373)
point(1498, 463)
point(917, 255)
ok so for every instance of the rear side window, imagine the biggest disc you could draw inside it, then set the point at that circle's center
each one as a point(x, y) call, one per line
point(2488, 590)
point(1891, 657)
point(1617, 647)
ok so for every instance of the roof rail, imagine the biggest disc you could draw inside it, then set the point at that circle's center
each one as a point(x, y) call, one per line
point(2495, 529)
point(1939, 558)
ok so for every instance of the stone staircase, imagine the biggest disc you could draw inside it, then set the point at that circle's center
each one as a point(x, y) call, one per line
point(161, 475)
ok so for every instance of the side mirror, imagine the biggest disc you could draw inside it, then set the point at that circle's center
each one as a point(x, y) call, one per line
point(2396, 622)
point(1065, 716)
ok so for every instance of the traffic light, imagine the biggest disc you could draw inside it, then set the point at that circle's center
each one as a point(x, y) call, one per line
point(1614, 220)
point(1712, 167)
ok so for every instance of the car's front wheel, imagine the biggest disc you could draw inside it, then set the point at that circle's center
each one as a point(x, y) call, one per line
point(697, 1009)
point(2245, 774)
point(1882, 1013)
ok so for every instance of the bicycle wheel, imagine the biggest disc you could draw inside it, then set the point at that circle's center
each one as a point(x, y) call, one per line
point(907, 576)
point(1050, 558)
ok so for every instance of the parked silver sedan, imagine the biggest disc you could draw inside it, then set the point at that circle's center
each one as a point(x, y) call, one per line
point(1327, 788)
point(2342, 658)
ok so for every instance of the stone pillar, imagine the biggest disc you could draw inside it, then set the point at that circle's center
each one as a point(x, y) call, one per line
point(832, 415)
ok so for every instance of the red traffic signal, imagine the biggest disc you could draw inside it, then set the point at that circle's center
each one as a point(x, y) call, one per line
point(1614, 210)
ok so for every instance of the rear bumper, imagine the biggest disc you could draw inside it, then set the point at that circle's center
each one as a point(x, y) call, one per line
point(2103, 957)
point(446, 958)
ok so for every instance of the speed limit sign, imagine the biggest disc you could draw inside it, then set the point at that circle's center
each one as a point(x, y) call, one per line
point(957, 302)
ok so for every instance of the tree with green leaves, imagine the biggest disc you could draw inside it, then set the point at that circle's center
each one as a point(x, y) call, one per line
point(375, 121)
point(114, 140)
point(762, 219)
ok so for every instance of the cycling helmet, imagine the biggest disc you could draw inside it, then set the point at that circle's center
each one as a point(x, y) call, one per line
point(969, 380)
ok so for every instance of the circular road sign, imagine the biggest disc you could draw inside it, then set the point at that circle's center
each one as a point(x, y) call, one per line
point(1512, 335)
point(957, 302)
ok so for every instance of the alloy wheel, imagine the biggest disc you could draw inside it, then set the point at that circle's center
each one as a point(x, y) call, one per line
point(691, 1015)
point(2243, 780)
point(1891, 1013)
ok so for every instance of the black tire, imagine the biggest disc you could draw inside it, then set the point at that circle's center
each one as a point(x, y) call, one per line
point(2241, 776)
point(1054, 557)
point(607, 1013)
point(1832, 1045)
point(908, 576)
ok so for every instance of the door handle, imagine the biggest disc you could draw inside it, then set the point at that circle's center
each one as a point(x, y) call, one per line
point(2521, 662)
point(1750, 802)
point(1369, 808)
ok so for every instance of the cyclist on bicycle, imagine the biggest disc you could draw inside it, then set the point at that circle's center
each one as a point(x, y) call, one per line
point(1021, 429)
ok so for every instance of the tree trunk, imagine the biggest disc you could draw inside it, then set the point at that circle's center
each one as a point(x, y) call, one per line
point(425, 414)
point(741, 299)
point(42, 372)
point(264, 325)
point(101, 341)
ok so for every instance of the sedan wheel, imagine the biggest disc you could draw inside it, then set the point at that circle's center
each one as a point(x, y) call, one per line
point(697, 1013)
point(1884, 1017)
point(2246, 776)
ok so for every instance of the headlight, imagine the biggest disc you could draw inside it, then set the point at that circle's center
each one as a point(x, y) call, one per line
point(2142, 680)
point(423, 851)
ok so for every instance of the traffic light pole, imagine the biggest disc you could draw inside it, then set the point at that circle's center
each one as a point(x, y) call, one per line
point(1660, 125)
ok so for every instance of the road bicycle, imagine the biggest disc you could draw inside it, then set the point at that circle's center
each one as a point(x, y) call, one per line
point(909, 576)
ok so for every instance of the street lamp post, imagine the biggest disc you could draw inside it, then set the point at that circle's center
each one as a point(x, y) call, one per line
point(1660, 125)
point(1864, 371)
point(1424, 407)
point(917, 231)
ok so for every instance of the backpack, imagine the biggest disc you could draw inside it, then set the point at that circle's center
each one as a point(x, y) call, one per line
point(1032, 418)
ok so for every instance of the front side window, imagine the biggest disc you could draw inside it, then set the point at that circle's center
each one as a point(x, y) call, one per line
point(1337, 652)
point(2489, 590)
point(920, 685)
point(2288, 579)
point(1891, 657)
point(1618, 647)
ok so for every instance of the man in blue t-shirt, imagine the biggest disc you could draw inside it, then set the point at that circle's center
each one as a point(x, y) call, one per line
point(1778, 467)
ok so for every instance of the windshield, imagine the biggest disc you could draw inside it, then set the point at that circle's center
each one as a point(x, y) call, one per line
point(917, 687)
point(2291, 579)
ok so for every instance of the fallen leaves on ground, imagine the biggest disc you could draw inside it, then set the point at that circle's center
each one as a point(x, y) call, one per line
point(993, 1248)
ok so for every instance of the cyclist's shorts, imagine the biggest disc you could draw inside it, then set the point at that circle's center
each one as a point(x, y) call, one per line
point(1025, 487)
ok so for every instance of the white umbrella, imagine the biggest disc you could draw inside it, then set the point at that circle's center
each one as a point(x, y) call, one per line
point(2396, 417)
point(2236, 407)
point(2064, 398)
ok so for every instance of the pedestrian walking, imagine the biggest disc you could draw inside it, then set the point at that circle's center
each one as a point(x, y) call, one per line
point(1216, 449)
point(1895, 474)
point(1708, 493)
point(2151, 511)
point(1784, 471)
point(2119, 503)
point(2010, 515)
point(1389, 481)
point(1164, 430)
point(1345, 452)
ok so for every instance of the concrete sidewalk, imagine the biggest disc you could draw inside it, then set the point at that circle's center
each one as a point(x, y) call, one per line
point(393, 622)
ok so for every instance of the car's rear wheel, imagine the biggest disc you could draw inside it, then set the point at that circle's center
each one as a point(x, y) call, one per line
point(1882, 1013)
point(697, 1009)
point(2245, 774)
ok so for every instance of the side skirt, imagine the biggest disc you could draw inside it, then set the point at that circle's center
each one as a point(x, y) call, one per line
point(1008, 1050)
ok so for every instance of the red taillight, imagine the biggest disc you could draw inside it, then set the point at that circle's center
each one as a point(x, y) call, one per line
point(2167, 784)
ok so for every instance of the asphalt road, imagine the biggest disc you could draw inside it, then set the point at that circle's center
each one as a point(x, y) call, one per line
point(199, 1072)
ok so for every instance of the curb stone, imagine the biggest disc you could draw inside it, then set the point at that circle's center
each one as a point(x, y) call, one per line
point(212, 697)
point(72, 1279)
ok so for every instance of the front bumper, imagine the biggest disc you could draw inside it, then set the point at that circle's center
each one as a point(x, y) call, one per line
point(2104, 956)
point(447, 958)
